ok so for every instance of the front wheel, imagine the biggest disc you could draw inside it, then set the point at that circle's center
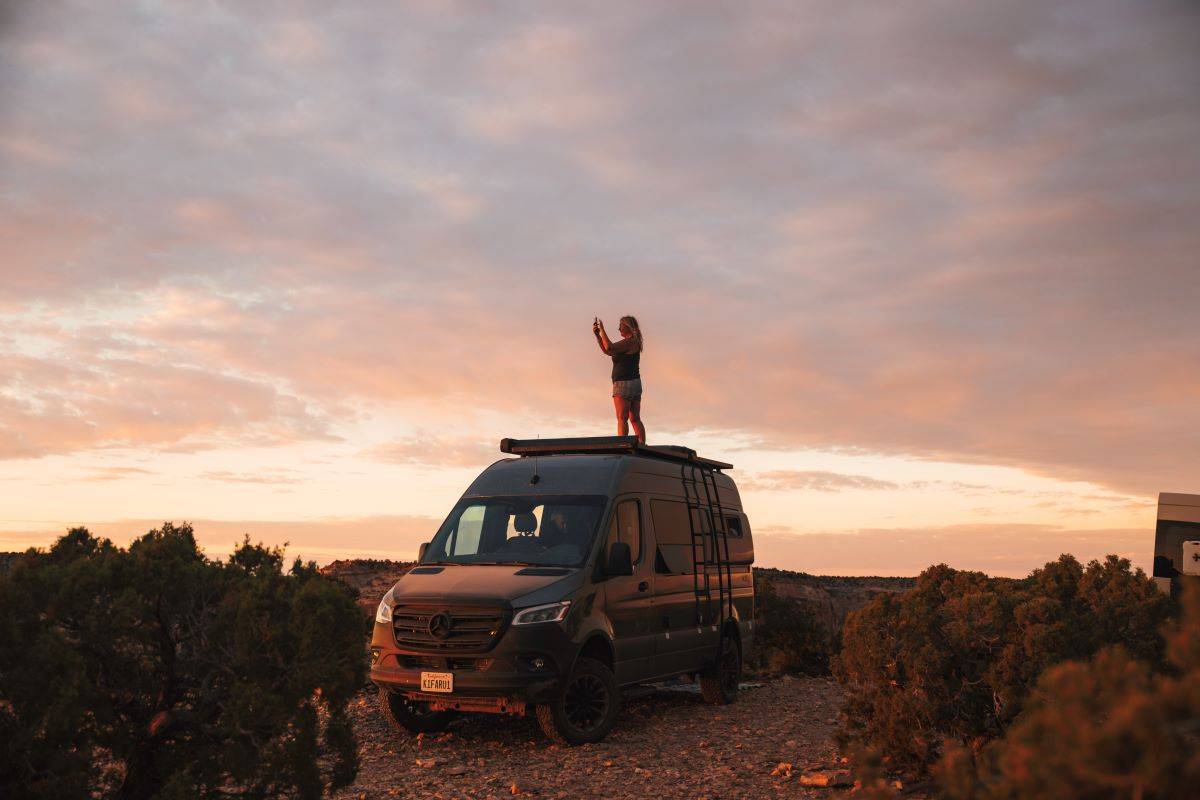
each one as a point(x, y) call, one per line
point(587, 708)
point(413, 716)
point(719, 683)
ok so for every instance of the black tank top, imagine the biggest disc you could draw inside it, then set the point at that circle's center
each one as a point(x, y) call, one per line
point(625, 366)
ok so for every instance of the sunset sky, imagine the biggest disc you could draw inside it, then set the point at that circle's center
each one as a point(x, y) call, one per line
point(927, 273)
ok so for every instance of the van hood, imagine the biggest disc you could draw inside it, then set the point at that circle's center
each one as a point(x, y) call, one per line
point(478, 583)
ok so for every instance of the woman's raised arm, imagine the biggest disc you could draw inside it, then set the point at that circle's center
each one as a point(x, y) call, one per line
point(602, 338)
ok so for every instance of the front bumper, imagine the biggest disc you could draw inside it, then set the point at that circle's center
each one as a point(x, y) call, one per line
point(505, 670)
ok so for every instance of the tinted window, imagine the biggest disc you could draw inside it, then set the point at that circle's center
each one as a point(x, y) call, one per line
point(464, 539)
point(670, 522)
point(734, 526)
point(626, 527)
point(548, 531)
point(673, 535)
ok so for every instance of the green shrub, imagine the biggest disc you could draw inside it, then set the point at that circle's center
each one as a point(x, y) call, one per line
point(956, 657)
point(788, 636)
point(1107, 727)
point(156, 672)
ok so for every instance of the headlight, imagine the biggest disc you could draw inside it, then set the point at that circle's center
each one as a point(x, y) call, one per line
point(553, 612)
point(384, 612)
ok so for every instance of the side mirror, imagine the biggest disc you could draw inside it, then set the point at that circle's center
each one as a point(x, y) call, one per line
point(620, 560)
point(421, 552)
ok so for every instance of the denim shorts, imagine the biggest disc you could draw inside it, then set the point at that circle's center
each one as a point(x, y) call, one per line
point(631, 390)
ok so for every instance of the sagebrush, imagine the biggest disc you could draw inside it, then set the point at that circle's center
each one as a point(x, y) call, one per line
point(955, 659)
point(1112, 726)
point(153, 671)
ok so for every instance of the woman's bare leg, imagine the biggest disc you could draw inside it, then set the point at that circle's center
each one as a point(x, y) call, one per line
point(622, 407)
point(635, 417)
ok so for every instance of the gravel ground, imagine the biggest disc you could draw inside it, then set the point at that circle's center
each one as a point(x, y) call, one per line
point(666, 744)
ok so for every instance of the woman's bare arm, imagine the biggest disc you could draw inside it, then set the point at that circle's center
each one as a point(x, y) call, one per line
point(602, 339)
point(621, 346)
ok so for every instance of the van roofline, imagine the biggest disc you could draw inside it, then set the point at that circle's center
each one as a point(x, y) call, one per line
point(607, 445)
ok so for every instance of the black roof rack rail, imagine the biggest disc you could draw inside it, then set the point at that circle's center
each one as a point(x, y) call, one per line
point(607, 445)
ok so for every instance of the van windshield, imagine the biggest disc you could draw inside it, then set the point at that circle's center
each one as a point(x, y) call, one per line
point(550, 530)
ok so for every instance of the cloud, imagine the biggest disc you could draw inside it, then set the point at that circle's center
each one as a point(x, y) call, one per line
point(105, 474)
point(87, 396)
point(813, 481)
point(431, 449)
point(272, 476)
point(920, 231)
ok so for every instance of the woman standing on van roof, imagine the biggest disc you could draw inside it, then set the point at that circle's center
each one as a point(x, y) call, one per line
point(626, 375)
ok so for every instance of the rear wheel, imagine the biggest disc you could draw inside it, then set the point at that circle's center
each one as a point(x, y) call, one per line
point(587, 708)
point(412, 715)
point(719, 683)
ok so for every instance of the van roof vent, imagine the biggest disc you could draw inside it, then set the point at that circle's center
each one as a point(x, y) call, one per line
point(607, 445)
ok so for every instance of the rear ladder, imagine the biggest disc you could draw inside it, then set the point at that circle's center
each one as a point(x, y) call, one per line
point(703, 498)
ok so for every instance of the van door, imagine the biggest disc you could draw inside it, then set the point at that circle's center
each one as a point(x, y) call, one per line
point(628, 599)
point(683, 642)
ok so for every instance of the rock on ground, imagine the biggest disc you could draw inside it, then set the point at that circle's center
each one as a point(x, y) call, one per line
point(667, 744)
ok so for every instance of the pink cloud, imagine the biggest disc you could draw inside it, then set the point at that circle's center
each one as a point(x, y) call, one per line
point(435, 450)
point(848, 229)
point(813, 481)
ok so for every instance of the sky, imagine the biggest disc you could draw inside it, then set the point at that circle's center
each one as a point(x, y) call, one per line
point(927, 273)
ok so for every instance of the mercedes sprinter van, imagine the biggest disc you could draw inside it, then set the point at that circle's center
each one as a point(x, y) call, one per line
point(563, 574)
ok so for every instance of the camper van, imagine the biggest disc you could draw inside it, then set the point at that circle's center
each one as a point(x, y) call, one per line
point(1177, 541)
point(574, 569)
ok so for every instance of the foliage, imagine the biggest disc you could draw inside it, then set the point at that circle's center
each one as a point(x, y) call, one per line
point(153, 671)
point(1107, 727)
point(788, 635)
point(956, 657)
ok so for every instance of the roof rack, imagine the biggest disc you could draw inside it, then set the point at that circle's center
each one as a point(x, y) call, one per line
point(607, 445)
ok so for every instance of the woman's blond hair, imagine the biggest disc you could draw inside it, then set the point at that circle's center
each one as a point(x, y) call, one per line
point(637, 330)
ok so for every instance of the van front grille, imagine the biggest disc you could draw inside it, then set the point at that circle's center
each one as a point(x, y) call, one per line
point(455, 629)
point(462, 664)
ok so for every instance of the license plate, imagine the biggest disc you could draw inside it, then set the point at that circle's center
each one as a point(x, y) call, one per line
point(437, 681)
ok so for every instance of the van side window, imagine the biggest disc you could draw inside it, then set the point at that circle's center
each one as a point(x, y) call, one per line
point(626, 526)
point(734, 526)
point(465, 537)
point(674, 537)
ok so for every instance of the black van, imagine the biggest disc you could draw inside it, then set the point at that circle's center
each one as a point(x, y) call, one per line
point(579, 567)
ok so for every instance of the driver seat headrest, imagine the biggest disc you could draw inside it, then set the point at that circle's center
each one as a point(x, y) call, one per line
point(525, 522)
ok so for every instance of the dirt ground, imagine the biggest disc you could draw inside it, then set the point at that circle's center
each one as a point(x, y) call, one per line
point(667, 744)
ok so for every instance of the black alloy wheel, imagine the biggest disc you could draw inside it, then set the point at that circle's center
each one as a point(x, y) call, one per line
point(586, 701)
point(587, 708)
point(719, 683)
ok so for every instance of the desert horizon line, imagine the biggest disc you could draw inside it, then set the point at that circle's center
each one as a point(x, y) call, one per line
point(1014, 549)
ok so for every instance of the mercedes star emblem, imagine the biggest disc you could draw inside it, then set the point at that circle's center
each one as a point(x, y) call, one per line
point(439, 625)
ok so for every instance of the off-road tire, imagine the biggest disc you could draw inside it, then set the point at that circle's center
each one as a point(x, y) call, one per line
point(587, 708)
point(719, 683)
point(406, 715)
